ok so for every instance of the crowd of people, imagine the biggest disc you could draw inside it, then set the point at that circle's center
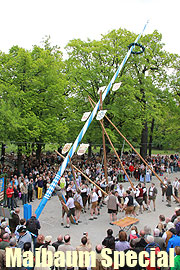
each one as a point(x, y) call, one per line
point(25, 235)
point(35, 177)
point(33, 180)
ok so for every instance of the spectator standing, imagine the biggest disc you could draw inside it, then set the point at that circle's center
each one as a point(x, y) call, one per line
point(58, 242)
point(176, 259)
point(112, 205)
point(152, 196)
point(5, 241)
point(24, 236)
point(122, 244)
point(16, 196)
point(9, 193)
point(24, 192)
point(169, 193)
point(30, 190)
point(40, 183)
point(94, 200)
point(15, 221)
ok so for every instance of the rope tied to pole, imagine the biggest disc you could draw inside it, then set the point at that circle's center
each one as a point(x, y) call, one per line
point(81, 134)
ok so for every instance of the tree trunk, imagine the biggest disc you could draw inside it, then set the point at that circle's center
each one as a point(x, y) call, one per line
point(151, 137)
point(19, 158)
point(3, 153)
point(89, 150)
point(38, 151)
point(144, 141)
point(32, 148)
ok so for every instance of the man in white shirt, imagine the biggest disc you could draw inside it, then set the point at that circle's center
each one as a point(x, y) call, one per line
point(163, 187)
point(94, 200)
point(78, 204)
point(71, 211)
point(175, 186)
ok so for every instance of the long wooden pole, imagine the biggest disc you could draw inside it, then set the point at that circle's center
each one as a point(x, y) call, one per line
point(74, 176)
point(116, 153)
point(84, 175)
point(104, 145)
point(137, 153)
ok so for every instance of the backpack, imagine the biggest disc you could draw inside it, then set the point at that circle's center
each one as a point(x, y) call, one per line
point(31, 226)
point(152, 245)
point(157, 250)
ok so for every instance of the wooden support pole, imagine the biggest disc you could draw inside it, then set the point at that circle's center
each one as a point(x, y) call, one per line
point(84, 175)
point(74, 176)
point(104, 146)
point(137, 153)
point(116, 153)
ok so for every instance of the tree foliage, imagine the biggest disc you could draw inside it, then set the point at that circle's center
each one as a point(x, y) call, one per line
point(144, 95)
point(43, 97)
point(33, 105)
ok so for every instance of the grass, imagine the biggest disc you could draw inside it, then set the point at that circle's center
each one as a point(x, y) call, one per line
point(96, 149)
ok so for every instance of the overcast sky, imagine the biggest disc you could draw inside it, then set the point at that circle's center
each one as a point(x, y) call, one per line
point(26, 22)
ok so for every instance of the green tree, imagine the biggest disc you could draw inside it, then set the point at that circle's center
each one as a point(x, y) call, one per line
point(141, 100)
point(32, 87)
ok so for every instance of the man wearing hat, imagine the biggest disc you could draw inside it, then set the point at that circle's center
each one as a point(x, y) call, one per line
point(24, 236)
point(4, 226)
point(48, 245)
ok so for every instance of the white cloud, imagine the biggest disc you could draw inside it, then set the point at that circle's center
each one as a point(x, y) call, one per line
point(25, 22)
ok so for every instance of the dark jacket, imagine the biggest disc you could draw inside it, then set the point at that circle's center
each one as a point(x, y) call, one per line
point(33, 225)
point(107, 241)
point(169, 190)
point(57, 244)
point(14, 221)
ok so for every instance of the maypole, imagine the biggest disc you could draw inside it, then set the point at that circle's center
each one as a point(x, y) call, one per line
point(83, 131)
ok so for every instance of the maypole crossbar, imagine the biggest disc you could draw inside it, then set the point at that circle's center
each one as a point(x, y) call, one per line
point(82, 132)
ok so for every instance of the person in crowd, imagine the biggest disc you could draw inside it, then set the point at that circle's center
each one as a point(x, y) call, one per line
point(99, 259)
point(158, 239)
point(40, 184)
point(169, 193)
point(78, 202)
point(140, 242)
point(40, 241)
point(71, 207)
point(16, 196)
point(24, 236)
point(164, 187)
point(122, 244)
point(152, 192)
point(94, 200)
point(173, 241)
point(30, 190)
point(58, 242)
point(128, 205)
point(47, 244)
point(15, 220)
point(176, 259)
point(108, 239)
point(67, 244)
point(112, 205)
point(9, 194)
point(85, 243)
point(24, 192)
point(33, 225)
point(5, 241)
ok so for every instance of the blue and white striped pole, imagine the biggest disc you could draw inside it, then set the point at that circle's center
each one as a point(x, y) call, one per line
point(81, 134)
